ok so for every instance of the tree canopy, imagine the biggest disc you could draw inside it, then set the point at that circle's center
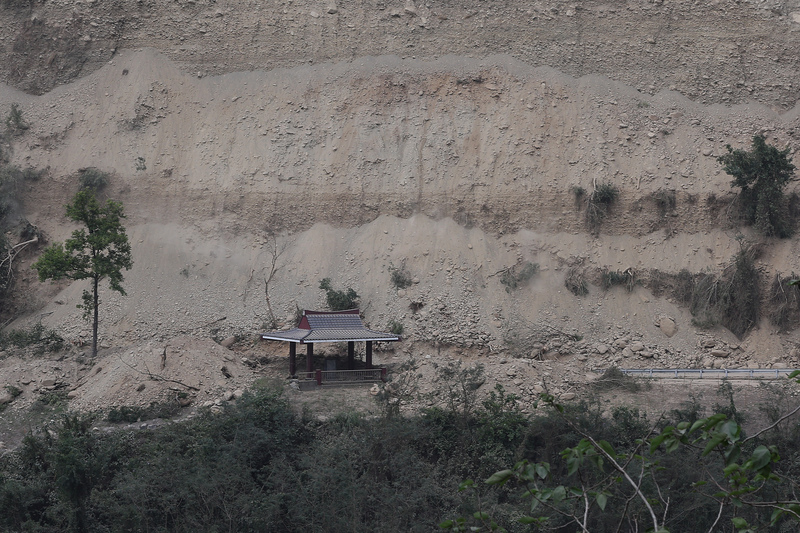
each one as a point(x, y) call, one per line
point(98, 250)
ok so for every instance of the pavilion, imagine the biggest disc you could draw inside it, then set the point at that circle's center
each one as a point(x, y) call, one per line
point(329, 326)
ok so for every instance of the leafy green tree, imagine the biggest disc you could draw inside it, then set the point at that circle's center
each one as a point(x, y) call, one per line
point(99, 250)
point(762, 173)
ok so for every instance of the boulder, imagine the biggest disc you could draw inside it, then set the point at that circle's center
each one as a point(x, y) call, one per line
point(227, 343)
point(636, 346)
point(627, 352)
point(668, 327)
point(601, 349)
point(5, 397)
point(717, 352)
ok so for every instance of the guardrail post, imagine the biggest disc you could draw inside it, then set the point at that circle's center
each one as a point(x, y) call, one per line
point(383, 374)
point(319, 376)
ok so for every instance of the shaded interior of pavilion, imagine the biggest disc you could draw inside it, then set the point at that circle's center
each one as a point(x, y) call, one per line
point(318, 327)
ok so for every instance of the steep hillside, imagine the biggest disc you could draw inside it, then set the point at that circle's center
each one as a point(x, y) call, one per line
point(236, 134)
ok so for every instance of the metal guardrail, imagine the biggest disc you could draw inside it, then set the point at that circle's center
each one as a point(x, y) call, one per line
point(721, 373)
point(323, 377)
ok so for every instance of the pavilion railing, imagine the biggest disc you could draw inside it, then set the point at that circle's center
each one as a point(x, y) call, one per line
point(323, 377)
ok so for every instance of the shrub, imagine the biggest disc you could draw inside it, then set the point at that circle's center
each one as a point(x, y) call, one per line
point(131, 414)
point(15, 124)
point(614, 379)
point(575, 282)
point(684, 286)
point(665, 201)
point(783, 303)
point(731, 299)
point(579, 193)
point(518, 275)
point(400, 278)
point(395, 327)
point(37, 336)
point(598, 204)
point(93, 179)
point(13, 391)
point(606, 194)
point(626, 278)
point(761, 173)
point(339, 300)
point(53, 398)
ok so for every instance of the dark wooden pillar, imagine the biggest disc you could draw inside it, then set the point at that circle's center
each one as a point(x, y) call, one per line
point(369, 354)
point(292, 359)
point(309, 357)
point(351, 355)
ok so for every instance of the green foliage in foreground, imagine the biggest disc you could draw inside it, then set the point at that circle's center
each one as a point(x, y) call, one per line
point(257, 466)
point(742, 477)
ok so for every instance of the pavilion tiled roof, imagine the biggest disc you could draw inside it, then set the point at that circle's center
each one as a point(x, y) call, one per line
point(333, 326)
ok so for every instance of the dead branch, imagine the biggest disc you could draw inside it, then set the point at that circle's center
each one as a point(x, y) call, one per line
point(155, 377)
point(14, 251)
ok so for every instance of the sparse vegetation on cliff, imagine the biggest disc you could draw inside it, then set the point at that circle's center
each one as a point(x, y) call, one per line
point(598, 204)
point(339, 300)
point(733, 298)
point(762, 174)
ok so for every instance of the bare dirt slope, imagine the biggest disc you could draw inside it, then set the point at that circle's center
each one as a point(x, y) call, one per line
point(712, 51)
point(450, 167)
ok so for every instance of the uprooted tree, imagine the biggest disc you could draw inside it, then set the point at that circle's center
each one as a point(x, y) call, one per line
point(98, 250)
point(762, 174)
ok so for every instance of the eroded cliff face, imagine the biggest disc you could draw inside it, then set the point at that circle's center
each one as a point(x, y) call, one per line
point(490, 148)
point(719, 51)
point(457, 159)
